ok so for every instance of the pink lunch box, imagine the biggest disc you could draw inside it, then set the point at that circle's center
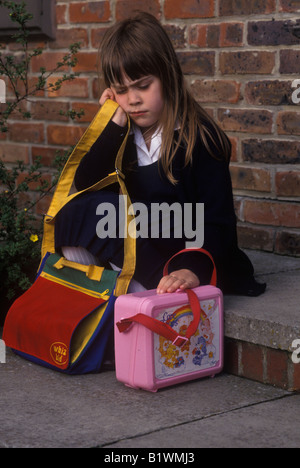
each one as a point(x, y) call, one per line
point(152, 347)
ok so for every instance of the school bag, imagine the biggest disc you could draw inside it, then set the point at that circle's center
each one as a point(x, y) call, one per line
point(64, 321)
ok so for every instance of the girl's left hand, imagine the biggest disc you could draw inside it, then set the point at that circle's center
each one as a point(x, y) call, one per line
point(180, 279)
point(120, 117)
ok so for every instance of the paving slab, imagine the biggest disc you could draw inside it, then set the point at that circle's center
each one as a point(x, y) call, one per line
point(41, 408)
point(272, 424)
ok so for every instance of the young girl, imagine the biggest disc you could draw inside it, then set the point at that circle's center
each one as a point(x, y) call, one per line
point(175, 153)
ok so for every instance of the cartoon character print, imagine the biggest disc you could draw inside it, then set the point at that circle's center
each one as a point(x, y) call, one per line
point(198, 351)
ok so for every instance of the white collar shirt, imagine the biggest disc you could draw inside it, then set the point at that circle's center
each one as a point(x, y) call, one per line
point(147, 156)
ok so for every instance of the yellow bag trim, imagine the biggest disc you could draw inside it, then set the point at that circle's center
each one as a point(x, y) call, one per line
point(93, 272)
point(104, 295)
point(84, 332)
point(62, 193)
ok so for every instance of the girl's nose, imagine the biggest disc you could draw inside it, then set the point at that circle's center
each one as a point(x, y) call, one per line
point(133, 97)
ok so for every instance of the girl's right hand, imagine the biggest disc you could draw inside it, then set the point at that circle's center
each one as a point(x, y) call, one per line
point(120, 116)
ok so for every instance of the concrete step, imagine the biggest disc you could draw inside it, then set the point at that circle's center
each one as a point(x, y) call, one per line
point(260, 331)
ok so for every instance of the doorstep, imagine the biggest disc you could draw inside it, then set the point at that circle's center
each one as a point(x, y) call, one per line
point(259, 332)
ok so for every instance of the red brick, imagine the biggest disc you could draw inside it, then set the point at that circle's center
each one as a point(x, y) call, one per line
point(198, 35)
point(79, 87)
point(288, 243)
point(65, 37)
point(125, 8)
point(197, 63)
point(35, 185)
point(234, 148)
point(231, 34)
point(48, 60)
point(213, 35)
point(296, 377)
point(247, 62)
point(249, 178)
point(87, 62)
point(245, 120)
point(32, 83)
point(272, 213)
point(64, 135)
point(216, 35)
point(97, 36)
point(277, 368)
point(289, 6)
point(269, 93)
point(10, 153)
point(90, 110)
point(252, 362)
point(272, 33)
point(26, 132)
point(216, 91)
point(61, 14)
point(288, 183)
point(246, 7)
point(258, 238)
point(188, 9)
point(289, 61)
point(176, 34)
point(288, 123)
point(271, 151)
point(231, 357)
point(89, 12)
point(49, 110)
point(46, 153)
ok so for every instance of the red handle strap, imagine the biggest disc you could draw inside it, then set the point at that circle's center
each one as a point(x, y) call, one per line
point(213, 280)
point(163, 329)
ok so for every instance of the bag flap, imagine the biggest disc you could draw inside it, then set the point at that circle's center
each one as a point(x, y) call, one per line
point(43, 321)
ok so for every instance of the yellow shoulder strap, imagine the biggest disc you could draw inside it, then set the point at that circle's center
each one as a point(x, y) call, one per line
point(62, 193)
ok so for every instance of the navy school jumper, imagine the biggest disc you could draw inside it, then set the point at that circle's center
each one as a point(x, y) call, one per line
point(206, 180)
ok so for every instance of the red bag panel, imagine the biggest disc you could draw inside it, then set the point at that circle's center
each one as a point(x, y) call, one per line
point(43, 328)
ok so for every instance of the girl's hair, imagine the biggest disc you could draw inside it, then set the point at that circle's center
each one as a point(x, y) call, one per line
point(139, 46)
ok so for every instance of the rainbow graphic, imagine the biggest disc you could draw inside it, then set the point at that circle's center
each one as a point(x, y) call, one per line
point(179, 314)
point(171, 360)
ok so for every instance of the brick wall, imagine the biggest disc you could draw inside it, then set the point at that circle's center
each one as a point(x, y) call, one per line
point(240, 58)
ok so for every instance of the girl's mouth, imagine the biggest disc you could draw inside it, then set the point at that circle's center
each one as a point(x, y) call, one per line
point(138, 114)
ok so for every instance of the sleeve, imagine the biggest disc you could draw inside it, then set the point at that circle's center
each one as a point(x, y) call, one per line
point(100, 160)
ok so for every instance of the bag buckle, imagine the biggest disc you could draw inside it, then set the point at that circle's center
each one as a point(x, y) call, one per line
point(184, 338)
point(120, 173)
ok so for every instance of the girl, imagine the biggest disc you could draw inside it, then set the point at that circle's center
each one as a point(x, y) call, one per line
point(175, 153)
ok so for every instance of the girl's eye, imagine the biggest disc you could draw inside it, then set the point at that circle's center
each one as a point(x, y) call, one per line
point(121, 91)
point(144, 86)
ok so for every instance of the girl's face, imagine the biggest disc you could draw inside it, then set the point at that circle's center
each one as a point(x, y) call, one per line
point(141, 99)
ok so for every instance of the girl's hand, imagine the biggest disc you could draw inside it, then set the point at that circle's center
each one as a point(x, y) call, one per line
point(120, 117)
point(180, 279)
